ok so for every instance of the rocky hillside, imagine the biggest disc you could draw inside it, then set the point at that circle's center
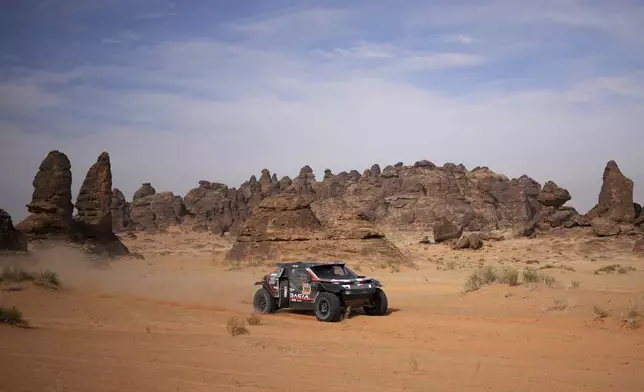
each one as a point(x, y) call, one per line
point(405, 197)
point(445, 201)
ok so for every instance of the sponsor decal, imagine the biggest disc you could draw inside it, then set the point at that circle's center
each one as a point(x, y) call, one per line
point(306, 288)
point(300, 297)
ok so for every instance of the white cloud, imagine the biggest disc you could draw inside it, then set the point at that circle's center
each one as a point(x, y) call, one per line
point(222, 111)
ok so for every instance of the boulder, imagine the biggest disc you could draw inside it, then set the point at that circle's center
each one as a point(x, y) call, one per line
point(605, 227)
point(51, 205)
point(615, 197)
point(146, 189)
point(10, 238)
point(445, 230)
point(552, 195)
point(638, 246)
point(469, 241)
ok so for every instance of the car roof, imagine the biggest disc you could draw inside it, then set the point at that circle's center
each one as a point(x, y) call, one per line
point(308, 264)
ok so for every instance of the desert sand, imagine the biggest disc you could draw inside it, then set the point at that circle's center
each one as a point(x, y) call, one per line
point(160, 323)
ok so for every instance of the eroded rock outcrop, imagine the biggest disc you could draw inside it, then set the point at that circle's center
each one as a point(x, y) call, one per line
point(10, 238)
point(286, 227)
point(51, 205)
point(615, 211)
point(94, 199)
point(120, 210)
point(151, 211)
point(93, 223)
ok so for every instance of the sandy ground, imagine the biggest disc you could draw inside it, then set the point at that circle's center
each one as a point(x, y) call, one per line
point(159, 324)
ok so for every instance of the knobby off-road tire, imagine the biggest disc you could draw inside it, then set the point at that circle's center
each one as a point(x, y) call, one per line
point(263, 302)
point(380, 304)
point(328, 307)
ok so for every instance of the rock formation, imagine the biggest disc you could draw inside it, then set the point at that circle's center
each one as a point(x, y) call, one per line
point(286, 227)
point(151, 211)
point(10, 238)
point(120, 210)
point(51, 205)
point(615, 211)
point(94, 199)
point(469, 241)
point(93, 223)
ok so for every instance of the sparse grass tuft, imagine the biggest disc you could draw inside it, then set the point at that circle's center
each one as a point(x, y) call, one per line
point(509, 276)
point(633, 317)
point(530, 276)
point(254, 319)
point(47, 278)
point(413, 363)
point(559, 305)
point(235, 326)
point(599, 313)
point(549, 281)
point(615, 268)
point(12, 316)
point(575, 284)
point(505, 275)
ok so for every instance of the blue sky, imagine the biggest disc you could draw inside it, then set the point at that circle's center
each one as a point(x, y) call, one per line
point(182, 91)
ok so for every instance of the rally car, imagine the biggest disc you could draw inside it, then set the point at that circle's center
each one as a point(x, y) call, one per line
point(326, 288)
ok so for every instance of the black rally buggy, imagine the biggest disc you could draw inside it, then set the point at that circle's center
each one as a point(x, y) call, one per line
point(326, 288)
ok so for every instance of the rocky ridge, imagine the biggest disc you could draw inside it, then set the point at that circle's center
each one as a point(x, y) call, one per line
point(421, 196)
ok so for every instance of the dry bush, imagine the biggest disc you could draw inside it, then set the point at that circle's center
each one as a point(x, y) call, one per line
point(12, 316)
point(574, 284)
point(549, 281)
point(413, 363)
point(508, 276)
point(530, 275)
point(254, 319)
point(47, 278)
point(599, 313)
point(633, 317)
point(235, 326)
point(615, 268)
point(559, 305)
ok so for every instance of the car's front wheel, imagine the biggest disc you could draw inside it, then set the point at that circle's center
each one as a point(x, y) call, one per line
point(380, 304)
point(328, 307)
point(263, 302)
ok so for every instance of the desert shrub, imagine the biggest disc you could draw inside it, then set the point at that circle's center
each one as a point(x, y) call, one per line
point(549, 281)
point(254, 319)
point(599, 312)
point(473, 283)
point(615, 268)
point(12, 316)
point(575, 284)
point(530, 276)
point(45, 278)
point(48, 279)
point(235, 326)
point(633, 317)
point(508, 276)
point(15, 275)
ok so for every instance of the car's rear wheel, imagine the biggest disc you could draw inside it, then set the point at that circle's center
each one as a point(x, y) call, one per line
point(380, 304)
point(328, 307)
point(263, 302)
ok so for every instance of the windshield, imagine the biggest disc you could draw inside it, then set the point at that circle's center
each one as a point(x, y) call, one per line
point(333, 272)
